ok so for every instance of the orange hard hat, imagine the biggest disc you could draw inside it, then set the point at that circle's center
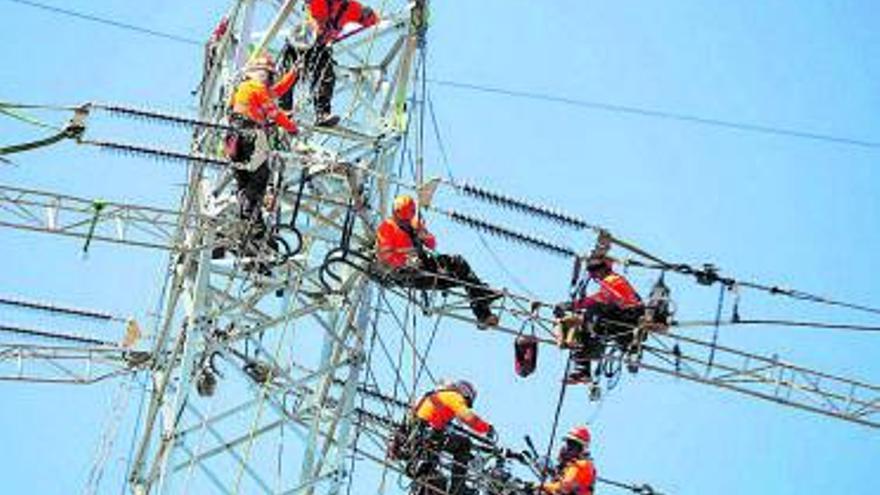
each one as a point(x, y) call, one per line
point(579, 434)
point(404, 207)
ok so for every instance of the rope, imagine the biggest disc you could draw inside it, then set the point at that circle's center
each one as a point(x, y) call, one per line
point(556, 415)
point(6, 109)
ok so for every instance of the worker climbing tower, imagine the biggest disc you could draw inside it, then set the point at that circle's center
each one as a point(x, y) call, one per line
point(257, 361)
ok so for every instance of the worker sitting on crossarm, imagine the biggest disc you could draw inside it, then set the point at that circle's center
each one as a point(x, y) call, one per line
point(326, 19)
point(612, 312)
point(431, 418)
point(404, 250)
point(575, 473)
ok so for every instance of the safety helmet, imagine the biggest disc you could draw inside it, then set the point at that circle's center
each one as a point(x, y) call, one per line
point(466, 389)
point(261, 62)
point(596, 263)
point(404, 207)
point(579, 434)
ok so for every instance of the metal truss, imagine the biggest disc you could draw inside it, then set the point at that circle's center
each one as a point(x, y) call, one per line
point(70, 364)
point(286, 356)
point(768, 378)
point(70, 216)
point(262, 381)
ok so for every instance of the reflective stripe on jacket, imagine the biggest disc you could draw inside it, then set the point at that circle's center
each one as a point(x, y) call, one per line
point(256, 101)
point(613, 289)
point(578, 478)
point(394, 245)
point(440, 407)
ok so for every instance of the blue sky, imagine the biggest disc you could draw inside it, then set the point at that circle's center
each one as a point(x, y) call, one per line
point(786, 210)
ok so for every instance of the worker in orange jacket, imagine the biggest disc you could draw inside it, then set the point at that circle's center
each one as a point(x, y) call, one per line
point(575, 473)
point(612, 311)
point(326, 20)
point(432, 416)
point(253, 109)
point(404, 249)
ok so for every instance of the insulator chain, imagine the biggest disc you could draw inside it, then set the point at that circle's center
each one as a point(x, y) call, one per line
point(523, 206)
point(150, 115)
point(499, 231)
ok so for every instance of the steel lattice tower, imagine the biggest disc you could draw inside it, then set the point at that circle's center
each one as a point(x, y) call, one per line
point(291, 355)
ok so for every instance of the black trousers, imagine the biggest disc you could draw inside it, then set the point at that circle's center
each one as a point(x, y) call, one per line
point(609, 322)
point(316, 63)
point(251, 191)
point(426, 463)
point(444, 271)
point(240, 144)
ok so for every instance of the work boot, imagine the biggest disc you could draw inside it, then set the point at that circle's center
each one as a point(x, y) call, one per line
point(326, 120)
point(578, 377)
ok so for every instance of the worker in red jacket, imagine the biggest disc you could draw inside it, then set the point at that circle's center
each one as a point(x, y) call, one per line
point(431, 419)
point(575, 473)
point(253, 109)
point(404, 249)
point(611, 312)
point(326, 20)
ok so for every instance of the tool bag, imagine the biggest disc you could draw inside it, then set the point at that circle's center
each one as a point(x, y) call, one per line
point(525, 349)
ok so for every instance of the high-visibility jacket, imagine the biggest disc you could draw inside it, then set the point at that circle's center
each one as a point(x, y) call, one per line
point(256, 101)
point(331, 16)
point(394, 245)
point(578, 477)
point(440, 407)
point(613, 289)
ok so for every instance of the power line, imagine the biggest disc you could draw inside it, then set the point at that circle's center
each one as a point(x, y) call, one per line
point(660, 114)
point(109, 22)
point(531, 95)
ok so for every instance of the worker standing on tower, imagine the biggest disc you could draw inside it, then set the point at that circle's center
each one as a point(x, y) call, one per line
point(612, 312)
point(431, 434)
point(575, 473)
point(253, 111)
point(404, 250)
point(325, 20)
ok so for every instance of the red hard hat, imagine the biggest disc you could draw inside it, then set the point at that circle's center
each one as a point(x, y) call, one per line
point(404, 207)
point(580, 434)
